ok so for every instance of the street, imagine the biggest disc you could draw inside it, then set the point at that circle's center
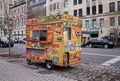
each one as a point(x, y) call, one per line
point(100, 56)
point(91, 68)
point(109, 57)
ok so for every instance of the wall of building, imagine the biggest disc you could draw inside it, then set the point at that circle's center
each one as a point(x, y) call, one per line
point(19, 19)
point(36, 8)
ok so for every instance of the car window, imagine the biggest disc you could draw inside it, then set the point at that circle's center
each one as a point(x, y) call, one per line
point(100, 40)
point(105, 40)
point(93, 40)
point(4, 38)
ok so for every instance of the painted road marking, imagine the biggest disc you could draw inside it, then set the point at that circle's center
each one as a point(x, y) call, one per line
point(111, 61)
point(99, 54)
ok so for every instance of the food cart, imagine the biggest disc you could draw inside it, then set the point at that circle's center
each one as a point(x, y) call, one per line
point(54, 40)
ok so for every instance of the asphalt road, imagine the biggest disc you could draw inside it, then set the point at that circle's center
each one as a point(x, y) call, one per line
point(109, 57)
point(101, 56)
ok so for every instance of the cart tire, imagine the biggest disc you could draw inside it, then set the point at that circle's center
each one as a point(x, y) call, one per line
point(49, 65)
point(28, 62)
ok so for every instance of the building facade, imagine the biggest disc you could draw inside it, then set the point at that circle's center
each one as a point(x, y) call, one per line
point(19, 17)
point(99, 17)
point(36, 8)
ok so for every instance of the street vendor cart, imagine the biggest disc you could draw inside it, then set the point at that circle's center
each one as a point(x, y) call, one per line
point(54, 40)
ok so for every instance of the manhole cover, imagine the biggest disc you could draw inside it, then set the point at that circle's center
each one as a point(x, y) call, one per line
point(46, 72)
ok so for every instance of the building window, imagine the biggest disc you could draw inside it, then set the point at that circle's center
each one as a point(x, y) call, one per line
point(101, 22)
point(34, 1)
point(22, 10)
point(18, 11)
point(15, 34)
point(94, 23)
point(75, 2)
point(93, 10)
point(58, 5)
point(119, 20)
point(118, 5)
point(75, 12)
point(22, 21)
point(22, 33)
point(50, 7)
point(87, 1)
point(112, 21)
point(18, 35)
point(100, 9)
point(18, 22)
point(54, 7)
point(15, 23)
point(80, 1)
point(88, 10)
point(15, 12)
point(66, 12)
point(65, 3)
point(112, 7)
point(80, 12)
point(87, 24)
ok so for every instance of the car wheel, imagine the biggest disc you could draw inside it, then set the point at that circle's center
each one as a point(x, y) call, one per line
point(49, 65)
point(105, 46)
point(90, 45)
point(1, 45)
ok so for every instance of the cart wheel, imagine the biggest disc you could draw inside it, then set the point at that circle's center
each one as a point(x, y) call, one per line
point(49, 65)
point(28, 62)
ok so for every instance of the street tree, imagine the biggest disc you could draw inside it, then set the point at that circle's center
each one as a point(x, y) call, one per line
point(115, 33)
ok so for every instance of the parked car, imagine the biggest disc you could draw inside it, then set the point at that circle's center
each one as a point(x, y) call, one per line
point(4, 42)
point(83, 44)
point(99, 42)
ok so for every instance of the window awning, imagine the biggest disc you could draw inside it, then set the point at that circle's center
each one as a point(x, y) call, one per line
point(90, 32)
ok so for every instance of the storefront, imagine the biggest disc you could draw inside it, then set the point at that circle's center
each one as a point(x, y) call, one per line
point(88, 34)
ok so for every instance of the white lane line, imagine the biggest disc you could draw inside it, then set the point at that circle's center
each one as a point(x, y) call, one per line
point(99, 54)
point(111, 61)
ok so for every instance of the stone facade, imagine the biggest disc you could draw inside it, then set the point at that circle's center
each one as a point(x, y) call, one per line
point(36, 8)
point(19, 18)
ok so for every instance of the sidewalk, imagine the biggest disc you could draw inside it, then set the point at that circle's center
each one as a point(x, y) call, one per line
point(15, 72)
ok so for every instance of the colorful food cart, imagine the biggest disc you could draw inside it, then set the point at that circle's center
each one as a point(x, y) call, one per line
point(54, 40)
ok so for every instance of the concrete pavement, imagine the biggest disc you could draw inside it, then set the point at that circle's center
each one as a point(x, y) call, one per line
point(15, 72)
